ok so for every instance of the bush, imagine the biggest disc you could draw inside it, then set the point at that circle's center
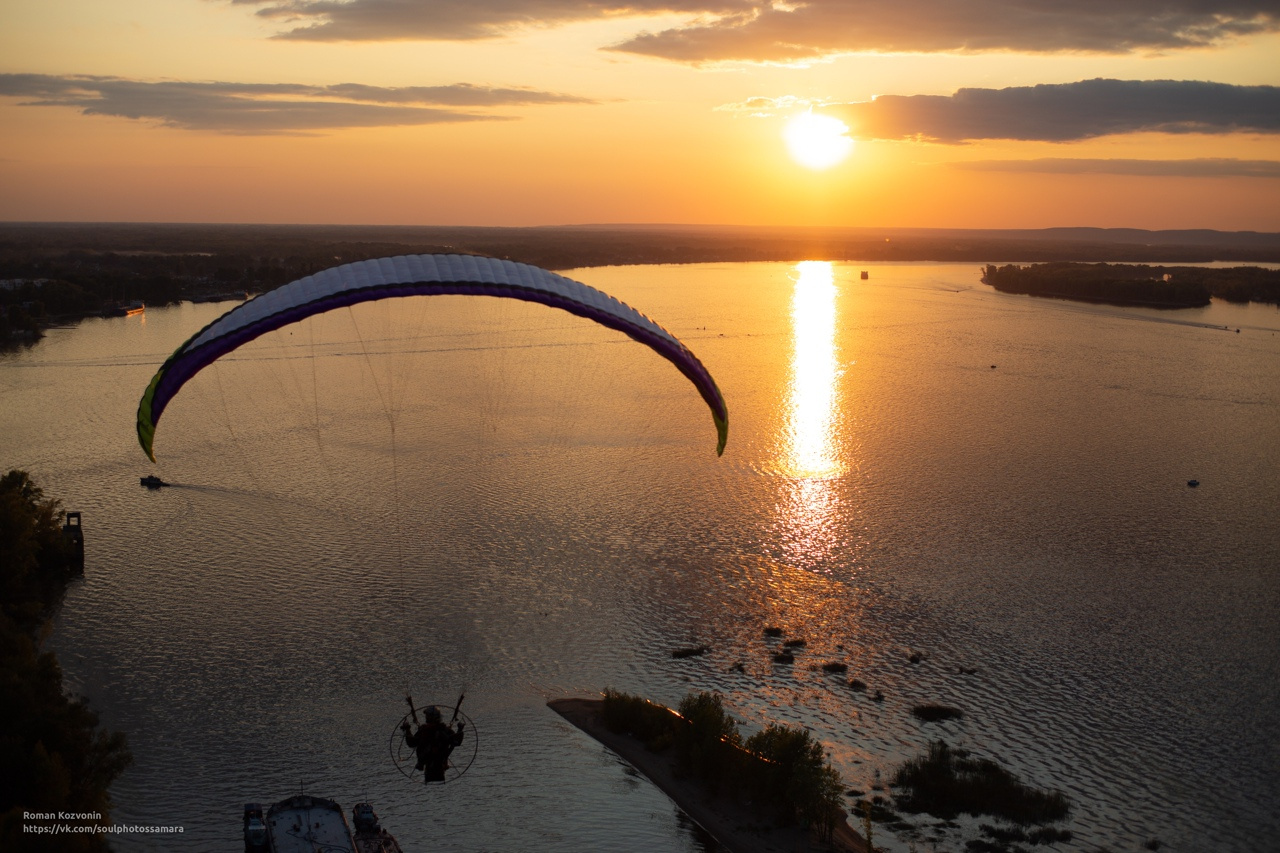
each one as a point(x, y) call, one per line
point(947, 782)
point(646, 721)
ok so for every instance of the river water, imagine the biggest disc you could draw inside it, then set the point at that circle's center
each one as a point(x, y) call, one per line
point(463, 495)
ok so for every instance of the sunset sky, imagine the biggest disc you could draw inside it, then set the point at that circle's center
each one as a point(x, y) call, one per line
point(961, 113)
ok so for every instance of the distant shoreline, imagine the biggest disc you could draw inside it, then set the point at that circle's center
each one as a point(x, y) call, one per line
point(733, 825)
point(567, 247)
point(62, 271)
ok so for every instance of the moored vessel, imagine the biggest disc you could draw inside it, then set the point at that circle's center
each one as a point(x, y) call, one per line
point(304, 824)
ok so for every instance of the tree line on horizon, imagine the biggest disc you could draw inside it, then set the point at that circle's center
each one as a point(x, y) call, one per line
point(53, 273)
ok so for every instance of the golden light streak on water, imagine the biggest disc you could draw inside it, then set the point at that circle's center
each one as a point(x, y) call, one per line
point(811, 450)
point(810, 455)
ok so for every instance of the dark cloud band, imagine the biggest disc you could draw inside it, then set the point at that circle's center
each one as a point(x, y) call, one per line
point(808, 30)
point(270, 108)
point(764, 30)
point(1063, 112)
point(460, 20)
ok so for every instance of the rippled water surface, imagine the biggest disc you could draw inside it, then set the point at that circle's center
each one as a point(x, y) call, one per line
point(448, 494)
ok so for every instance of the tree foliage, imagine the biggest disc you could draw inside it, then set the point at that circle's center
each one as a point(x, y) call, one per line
point(53, 757)
point(33, 553)
point(783, 770)
point(796, 775)
point(708, 743)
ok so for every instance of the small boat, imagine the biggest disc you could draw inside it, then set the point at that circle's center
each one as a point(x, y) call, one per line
point(151, 481)
point(306, 824)
point(255, 829)
point(369, 835)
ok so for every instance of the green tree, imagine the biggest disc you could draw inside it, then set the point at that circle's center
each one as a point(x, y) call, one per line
point(797, 777)
point(33, 552)
point(709, 744)
point(52, 755)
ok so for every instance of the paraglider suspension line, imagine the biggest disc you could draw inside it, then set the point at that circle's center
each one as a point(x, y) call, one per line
point(387, 398)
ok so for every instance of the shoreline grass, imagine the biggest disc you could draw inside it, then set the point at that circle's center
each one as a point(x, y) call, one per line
point(946, 782)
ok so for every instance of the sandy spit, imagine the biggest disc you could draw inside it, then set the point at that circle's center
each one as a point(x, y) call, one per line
point(734, 826)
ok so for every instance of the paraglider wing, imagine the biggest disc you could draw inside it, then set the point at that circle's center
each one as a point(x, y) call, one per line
point(413, 275)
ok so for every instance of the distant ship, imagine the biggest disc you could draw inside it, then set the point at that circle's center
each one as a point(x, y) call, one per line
point(306, 824)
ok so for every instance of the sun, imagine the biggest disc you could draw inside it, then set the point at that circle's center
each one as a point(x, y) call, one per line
point(817, 141)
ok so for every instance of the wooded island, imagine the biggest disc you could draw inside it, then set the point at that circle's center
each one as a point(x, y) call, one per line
point(1137, 284)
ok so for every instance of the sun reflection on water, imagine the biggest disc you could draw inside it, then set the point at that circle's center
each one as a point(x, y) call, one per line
point(811, 445)
point(810, 456)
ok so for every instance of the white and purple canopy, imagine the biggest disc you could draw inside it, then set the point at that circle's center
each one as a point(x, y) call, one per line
point(413, 275)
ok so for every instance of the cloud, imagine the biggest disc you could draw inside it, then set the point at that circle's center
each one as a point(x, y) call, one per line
point(1207, 167)
point(795, 31)
point(1064, 112)
point(460, 20)
point(270, 108)
point(778, 31)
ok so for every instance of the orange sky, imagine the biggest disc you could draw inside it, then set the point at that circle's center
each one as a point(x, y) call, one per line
point(530, 112)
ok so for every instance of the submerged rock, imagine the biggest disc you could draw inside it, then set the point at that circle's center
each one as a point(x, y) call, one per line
point(936, 713)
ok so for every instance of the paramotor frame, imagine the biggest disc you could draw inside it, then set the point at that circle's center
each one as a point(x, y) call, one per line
point(405, 757)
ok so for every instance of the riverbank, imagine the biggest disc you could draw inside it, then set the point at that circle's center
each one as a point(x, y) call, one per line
point(59, 765)
point(736, 826)
point(63, 272)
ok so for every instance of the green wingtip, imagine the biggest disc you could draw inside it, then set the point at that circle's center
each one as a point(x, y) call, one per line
point(146, 435)
point(146, 427)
